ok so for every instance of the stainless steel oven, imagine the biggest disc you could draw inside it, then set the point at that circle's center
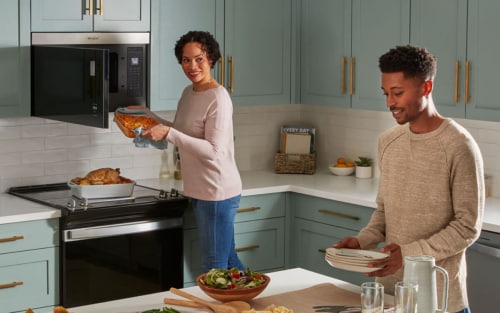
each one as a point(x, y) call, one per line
point(115, 248)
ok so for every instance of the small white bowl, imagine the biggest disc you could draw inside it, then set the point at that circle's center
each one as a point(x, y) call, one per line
point(341, 171)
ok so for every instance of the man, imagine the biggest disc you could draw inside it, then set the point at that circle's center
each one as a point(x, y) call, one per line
point(431, 193)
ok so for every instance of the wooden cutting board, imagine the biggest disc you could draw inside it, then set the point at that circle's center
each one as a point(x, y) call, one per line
point(302, 301)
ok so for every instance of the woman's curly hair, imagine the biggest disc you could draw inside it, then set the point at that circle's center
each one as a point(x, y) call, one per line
point(413, 61)
point(207, 41)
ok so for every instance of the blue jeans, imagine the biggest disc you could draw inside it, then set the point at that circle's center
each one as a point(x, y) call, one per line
point(215, 220)
point(466, 310)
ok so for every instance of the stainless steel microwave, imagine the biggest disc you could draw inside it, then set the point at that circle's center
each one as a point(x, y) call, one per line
point(81, 77)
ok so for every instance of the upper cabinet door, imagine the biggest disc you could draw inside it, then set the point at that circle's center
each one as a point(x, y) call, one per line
point(377, 26)
point(258, 51)
point(483, 50)
point(325, 50)
point(122, 15)
point(462, 36)
point(341, 42)
point(441, 27)
point(14, 58)
point(169, 21)
point(90, 15)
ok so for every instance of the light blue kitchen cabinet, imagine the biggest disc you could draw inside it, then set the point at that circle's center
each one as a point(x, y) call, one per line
point(319, 223)
point(257, 51)
point(460, 34)
point(90, 15)
point(259, 236)
point(341, 41)
point(15, 58)
point(256, 63)
point(170, 19)
point(29, 265)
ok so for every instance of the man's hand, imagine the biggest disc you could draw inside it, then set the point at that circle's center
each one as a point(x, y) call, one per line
point(347, 242)
point(389, 265)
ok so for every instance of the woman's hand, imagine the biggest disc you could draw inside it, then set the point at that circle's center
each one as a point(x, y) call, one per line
point(389, 265)
point(156, 133)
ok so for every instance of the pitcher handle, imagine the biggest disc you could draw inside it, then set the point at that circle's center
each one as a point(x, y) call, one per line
point(444, 297)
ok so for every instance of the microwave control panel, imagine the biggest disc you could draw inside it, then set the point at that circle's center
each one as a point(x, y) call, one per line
point(135, 71)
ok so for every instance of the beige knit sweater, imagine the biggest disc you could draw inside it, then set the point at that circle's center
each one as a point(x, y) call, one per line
point(430, 201)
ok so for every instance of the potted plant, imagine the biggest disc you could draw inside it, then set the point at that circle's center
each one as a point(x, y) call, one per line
point(363, 167)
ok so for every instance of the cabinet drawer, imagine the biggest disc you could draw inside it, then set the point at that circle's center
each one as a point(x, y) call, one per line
point(261, 207)
point(29, 279)
point(29, 235)
point(310, 240)
point(260, 246)
point(251, 208)
point(331, 212)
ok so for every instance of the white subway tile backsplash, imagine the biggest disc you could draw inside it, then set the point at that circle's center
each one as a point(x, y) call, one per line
point(38, 151)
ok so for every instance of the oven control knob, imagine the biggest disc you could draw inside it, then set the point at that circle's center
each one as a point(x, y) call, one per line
point(174, 193)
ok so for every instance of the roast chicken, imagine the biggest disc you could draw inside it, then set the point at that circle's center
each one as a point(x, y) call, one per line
point(102, 176)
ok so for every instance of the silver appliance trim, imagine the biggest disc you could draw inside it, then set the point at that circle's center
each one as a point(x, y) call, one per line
point(38, 39)
point(119, 229)
point(485, 249)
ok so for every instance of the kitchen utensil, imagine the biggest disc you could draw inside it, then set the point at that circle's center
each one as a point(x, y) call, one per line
point(405, 297)
point(372, 297)
point(217, 308)
point(422, 270)
point(238, 305)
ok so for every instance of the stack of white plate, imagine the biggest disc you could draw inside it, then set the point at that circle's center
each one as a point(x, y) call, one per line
point(354, 260)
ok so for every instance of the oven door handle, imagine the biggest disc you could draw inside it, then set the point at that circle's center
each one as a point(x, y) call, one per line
point(484, 249)
point(120, 229)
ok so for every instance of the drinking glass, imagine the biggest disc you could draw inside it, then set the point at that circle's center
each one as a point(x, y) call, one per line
point(372, 297)
point(405, 297)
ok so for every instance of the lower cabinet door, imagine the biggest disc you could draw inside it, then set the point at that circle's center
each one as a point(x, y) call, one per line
point(260, 246)
point(29, 279)
point(309, 244)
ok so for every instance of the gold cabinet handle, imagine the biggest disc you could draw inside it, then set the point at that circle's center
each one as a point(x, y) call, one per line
point(467, 72)
point(222, 71)
point(337, 214)
point(457, 69)
point(101, 7)
point(247, 248)
point(91, 7)
point(351, 75)
point(231, 74)
point(250, 209)
point(11, 285)
point(342, 75)
point(10, 239)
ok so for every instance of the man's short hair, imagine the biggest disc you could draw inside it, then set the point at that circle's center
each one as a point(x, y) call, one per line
point(413, 61)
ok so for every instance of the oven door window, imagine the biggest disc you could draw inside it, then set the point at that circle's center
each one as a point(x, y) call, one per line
point(110, 268)
point(70, 84)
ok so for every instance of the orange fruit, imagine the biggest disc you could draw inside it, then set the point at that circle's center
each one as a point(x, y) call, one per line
point(340, 165)
point(60, 309)
point(341, 160)
point(349, 164)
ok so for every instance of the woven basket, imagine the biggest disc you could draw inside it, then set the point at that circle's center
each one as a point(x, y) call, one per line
point(294, 163)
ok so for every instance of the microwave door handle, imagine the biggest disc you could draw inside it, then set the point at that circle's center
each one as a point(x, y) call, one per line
point(92, 80)
point(120, 229)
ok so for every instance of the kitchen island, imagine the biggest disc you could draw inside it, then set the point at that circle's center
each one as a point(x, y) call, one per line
point(281, 282)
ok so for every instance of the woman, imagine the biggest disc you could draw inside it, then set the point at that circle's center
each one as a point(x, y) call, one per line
point(203, 132)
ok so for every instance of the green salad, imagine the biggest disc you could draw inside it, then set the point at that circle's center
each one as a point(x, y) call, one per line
point(233, 278)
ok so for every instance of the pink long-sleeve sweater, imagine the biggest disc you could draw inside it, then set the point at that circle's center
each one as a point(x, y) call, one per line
point(203, 133)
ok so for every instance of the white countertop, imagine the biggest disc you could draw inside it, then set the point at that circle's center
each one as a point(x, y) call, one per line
point(322, 184)
point(281, 281)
